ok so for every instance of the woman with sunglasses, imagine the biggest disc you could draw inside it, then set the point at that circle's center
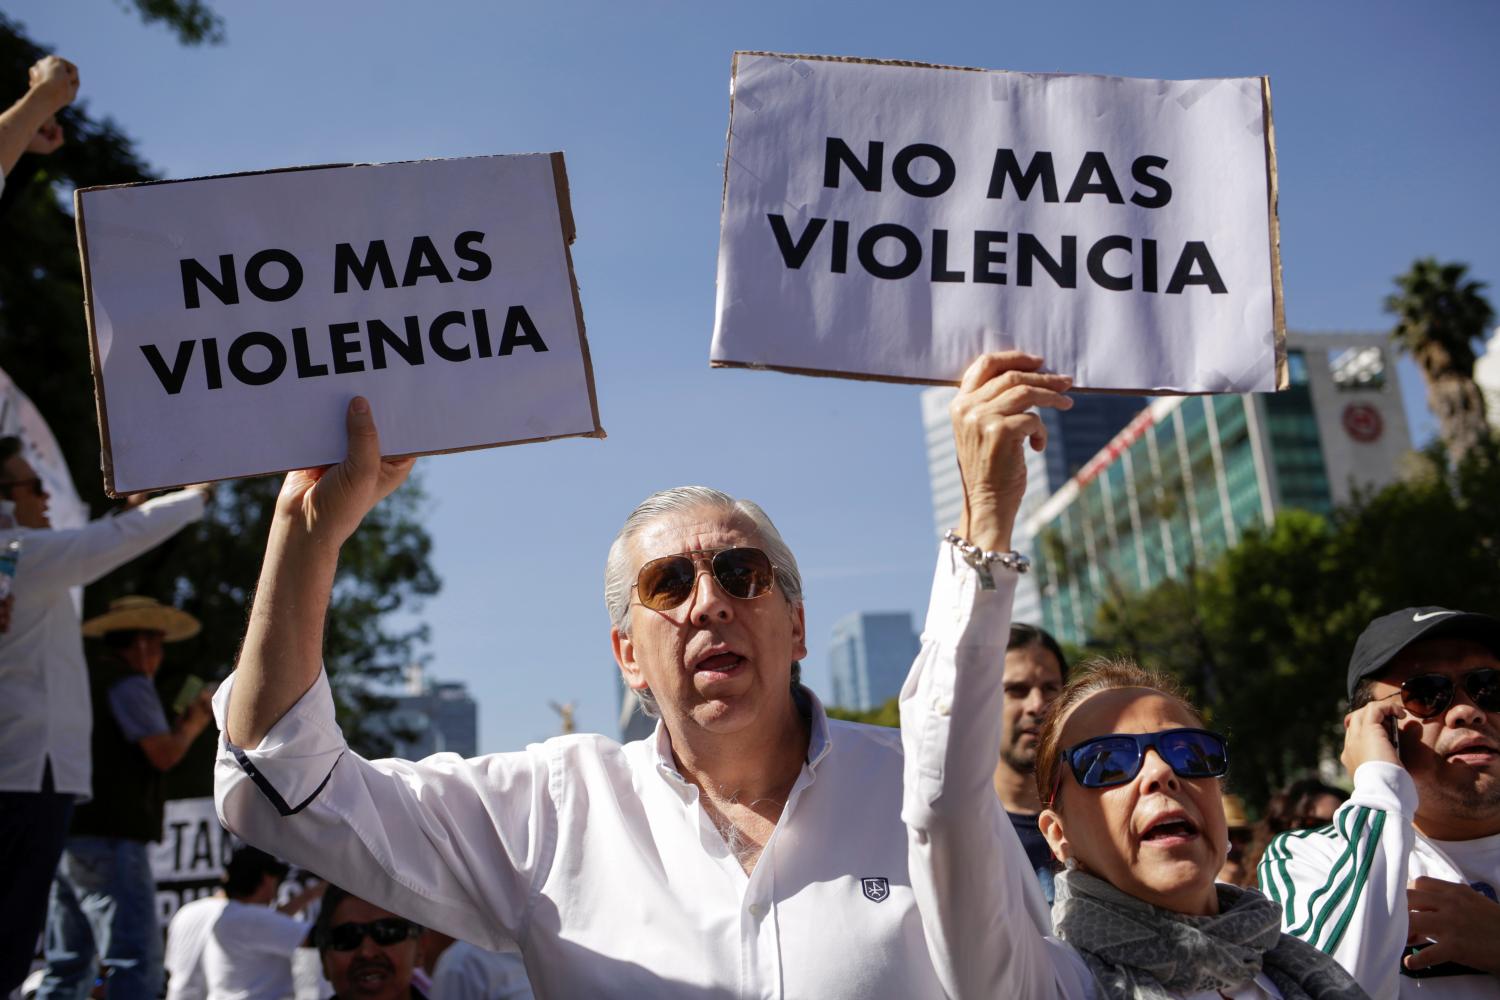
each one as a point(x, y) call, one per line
point(1129, 775)
point(1130, 779)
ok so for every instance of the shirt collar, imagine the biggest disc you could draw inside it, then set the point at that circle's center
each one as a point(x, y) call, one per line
point(820, 739)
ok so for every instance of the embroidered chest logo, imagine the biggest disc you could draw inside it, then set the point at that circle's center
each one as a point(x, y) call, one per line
point(876, 889)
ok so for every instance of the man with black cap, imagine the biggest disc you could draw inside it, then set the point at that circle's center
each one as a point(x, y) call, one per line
point(103, 900)
point(1401, 888)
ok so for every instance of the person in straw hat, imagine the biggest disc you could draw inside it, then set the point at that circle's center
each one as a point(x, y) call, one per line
point(103, 901)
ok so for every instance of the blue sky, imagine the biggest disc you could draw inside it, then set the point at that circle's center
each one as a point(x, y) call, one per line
point(1387, 140)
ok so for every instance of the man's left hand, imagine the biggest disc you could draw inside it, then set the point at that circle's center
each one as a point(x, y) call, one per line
point(1462, 923)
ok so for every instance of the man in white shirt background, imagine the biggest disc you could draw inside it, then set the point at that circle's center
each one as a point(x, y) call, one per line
point(187, 936)
point(750, 846)
point(248, 952)
point(45, 718)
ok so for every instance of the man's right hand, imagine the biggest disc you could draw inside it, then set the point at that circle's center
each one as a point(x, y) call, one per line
point(1367, 735)
point(325, 505)
point(55, 81)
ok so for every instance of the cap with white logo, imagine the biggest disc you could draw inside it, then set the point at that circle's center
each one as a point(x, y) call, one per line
point(1389, 634)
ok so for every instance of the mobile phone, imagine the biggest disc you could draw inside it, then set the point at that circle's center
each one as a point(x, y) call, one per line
point(1389, 722)
point(187, 693)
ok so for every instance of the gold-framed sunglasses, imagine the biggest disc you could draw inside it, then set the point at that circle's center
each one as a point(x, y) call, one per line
point(743, 572)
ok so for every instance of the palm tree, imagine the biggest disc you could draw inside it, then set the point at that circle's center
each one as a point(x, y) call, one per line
point(1439, 318)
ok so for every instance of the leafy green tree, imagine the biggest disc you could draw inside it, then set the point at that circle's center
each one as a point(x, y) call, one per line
point(210, 569)
point(192, 20)
point(1280, 612)
point(1440, 317)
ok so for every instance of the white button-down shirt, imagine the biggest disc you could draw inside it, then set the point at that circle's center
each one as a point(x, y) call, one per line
point(45, 711)
point(985, 919)
point(598, 860)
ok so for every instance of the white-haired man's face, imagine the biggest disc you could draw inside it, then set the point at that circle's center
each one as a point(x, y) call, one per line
point(716, 662)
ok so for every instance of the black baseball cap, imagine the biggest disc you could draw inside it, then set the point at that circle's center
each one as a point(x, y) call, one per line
point(1389, 634)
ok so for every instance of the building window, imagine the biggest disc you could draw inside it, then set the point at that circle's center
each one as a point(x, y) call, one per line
point(1296, 366)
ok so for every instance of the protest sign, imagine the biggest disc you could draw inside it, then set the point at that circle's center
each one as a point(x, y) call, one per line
point(189, 860)
point(232, 318)
point(894, 220)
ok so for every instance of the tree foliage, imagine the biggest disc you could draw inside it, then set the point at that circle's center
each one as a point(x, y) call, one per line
point(1280, 612)
point(1440, 318)
point(211, 568)
point(192, 21)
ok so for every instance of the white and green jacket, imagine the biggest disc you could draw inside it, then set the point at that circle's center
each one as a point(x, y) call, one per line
point(1342, 887)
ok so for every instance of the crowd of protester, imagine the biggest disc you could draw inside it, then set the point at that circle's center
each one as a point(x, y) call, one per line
point(1036, 829)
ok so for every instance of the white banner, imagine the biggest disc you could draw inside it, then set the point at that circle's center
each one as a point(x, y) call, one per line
point(234, 317)
point(893, 221)
point(189, 860)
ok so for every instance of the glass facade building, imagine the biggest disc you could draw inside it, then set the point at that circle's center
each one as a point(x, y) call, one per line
point(1073, 437)
point(1189, 475)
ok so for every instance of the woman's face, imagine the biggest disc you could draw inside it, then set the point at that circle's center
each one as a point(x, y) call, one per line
point(1158, 837)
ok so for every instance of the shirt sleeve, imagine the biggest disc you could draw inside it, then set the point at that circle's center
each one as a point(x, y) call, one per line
point(982, 911)
point(461, 846)
point(72, 557)
point(276, 933)
point(137, 708)
point(1342, 888)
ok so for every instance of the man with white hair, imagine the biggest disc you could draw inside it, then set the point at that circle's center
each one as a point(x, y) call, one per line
point(750, 847)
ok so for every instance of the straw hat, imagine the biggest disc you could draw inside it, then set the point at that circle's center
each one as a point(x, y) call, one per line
point(145, 614)
point(1234, 813)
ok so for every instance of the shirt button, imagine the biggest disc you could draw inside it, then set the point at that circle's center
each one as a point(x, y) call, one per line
point(942, 706)
point(758, 910)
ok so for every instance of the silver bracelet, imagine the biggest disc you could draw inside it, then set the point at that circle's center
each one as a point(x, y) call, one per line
point(984, 562)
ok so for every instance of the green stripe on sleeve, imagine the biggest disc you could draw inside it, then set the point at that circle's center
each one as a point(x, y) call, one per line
point(1346, 858)
point(1363, 878)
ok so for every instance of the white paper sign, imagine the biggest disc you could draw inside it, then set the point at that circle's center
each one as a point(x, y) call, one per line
point(188, 861)
point(234, 317)
point(894, 221)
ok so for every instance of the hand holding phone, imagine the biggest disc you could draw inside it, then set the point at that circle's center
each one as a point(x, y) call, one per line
point(1370, 733)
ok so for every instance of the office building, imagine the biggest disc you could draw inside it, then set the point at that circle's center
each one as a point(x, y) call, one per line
point(869, 657)
point(1189, 475)
point(431, 717)
point(1073, 437)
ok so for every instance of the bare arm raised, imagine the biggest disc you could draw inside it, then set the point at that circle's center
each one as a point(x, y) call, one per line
point(318, 509)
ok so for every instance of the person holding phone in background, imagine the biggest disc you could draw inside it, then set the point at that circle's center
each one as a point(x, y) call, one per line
point(103, 901)
point(1401, 888)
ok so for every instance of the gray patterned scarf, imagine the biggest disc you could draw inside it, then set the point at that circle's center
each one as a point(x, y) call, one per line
point(1139, 952)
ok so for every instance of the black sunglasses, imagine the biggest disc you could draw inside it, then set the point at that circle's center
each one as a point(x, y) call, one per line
point(1429, 695)
point(664, 583)
point(1106, 761)
point(385, 931)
